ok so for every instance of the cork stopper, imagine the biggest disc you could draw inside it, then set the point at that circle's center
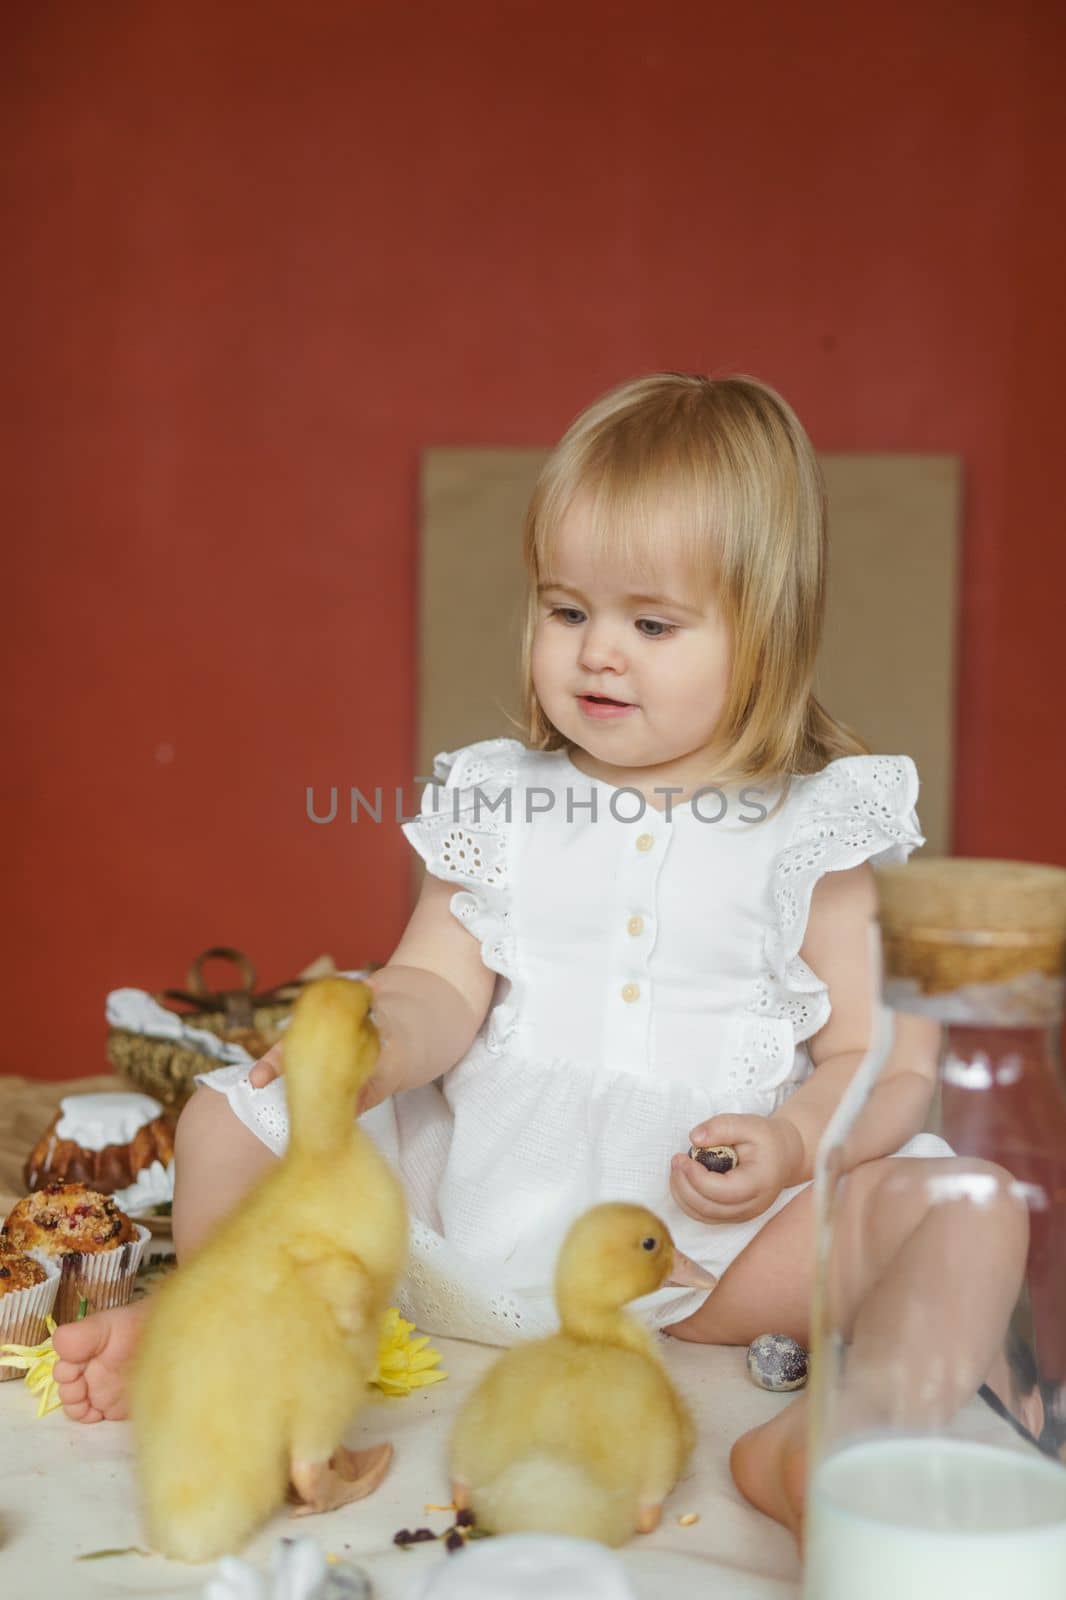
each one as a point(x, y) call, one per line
point(953, 924)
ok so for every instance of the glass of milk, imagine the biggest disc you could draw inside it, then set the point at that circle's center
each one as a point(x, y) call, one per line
point(938, 1387)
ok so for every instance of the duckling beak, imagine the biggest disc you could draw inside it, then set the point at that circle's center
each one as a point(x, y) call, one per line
point(688, 1274)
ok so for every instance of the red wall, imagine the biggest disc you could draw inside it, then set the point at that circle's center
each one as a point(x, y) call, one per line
point(258, 257)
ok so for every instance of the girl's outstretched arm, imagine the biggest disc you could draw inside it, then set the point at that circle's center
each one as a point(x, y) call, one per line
point(430, 999)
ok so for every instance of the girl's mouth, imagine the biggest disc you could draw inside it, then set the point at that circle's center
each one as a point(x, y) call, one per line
point(598, 705)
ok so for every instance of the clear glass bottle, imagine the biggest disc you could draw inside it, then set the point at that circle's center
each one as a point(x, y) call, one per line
point(938, 1392)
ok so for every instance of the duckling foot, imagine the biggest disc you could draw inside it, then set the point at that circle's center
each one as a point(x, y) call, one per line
point(649, 1518)
point(347, 1475)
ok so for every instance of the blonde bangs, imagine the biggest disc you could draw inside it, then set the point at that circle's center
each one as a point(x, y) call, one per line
point(633, 514)
point(723, 470)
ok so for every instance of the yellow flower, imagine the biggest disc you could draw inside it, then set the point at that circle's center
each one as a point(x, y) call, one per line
point(36, 1361)
point(404, 1363)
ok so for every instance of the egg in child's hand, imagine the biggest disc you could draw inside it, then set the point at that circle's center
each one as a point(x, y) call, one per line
point(715, 1157)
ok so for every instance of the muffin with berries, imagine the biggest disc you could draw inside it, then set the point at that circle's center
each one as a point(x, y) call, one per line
point(95, 1245)
point(27, 1295)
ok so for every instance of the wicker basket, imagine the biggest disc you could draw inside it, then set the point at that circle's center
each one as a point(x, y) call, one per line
point(166, 1068)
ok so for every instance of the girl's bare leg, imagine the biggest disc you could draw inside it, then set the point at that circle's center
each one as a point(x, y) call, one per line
point(895, 1243)
point(216, 1159)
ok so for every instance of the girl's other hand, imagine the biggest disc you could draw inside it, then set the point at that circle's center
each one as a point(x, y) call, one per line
point(769, 1152)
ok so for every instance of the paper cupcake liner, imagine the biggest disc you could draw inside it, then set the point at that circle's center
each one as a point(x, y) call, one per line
point(104, 1278)
point(23, 1313)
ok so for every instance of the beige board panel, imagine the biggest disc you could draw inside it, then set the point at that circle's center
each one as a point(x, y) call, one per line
point(887, 660)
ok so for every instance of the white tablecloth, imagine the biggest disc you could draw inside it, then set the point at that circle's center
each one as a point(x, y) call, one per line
point(67, 1489)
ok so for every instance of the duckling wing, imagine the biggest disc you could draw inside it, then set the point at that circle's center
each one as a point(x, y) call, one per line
point(341, 1284)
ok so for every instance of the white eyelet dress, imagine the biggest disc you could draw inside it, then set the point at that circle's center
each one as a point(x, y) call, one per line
point(648, 977)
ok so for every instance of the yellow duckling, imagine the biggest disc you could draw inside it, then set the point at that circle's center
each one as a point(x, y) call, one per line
point(582, 1433)
point(255, 1356)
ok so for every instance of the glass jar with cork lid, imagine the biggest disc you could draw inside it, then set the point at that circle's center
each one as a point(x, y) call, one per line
point(938, 1393)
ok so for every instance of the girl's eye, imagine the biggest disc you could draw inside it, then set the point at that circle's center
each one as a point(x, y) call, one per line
point(651, 629)
point(568, 614)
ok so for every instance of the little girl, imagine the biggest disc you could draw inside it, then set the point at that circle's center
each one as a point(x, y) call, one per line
point(645, 926)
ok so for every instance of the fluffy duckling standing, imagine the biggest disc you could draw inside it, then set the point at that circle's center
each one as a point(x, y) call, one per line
point(582, 1433)
point(256, 1355)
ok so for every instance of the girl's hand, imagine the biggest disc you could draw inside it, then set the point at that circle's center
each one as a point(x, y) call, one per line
point(770, 1152)
point(272, 1065)
point(267, 1068)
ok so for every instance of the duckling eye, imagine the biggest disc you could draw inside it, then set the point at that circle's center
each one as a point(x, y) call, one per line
point(648, 1244)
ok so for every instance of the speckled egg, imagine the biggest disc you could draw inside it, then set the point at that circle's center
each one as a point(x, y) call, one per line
point(777, 1363)
point(715, 1157)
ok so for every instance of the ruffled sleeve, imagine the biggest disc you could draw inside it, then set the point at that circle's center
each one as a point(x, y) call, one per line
point(859, 808)
point(464, 835)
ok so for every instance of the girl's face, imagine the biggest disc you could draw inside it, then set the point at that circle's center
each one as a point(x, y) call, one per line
point(635, 673)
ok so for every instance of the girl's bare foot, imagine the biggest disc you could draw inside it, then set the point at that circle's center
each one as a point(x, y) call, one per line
point(94, 1357)
point(769, 1466)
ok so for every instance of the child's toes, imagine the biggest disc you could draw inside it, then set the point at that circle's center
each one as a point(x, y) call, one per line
point(66, 1373)
point(74, 1398)
point(90, 1394)
point(107, 1396)
point(91, 1407)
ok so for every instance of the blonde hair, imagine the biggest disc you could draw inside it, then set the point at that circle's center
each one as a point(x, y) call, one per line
point(731, 463)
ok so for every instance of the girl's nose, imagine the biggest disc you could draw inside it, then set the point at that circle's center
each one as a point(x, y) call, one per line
point(600, 651)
